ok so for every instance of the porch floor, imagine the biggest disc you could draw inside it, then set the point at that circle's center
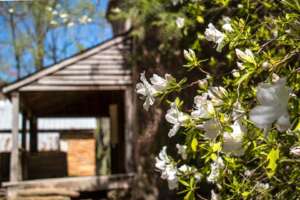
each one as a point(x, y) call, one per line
point(87, 183)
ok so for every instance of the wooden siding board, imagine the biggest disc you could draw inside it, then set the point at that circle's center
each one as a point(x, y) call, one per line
point(91, 77)
point(38, 87)
point(95, 72)
point(84, 82)
point(95, 67)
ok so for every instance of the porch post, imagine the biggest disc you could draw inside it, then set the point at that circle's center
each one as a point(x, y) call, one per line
point(15, 163)
point(129, 160)
point(24, 130)
point(33, 135)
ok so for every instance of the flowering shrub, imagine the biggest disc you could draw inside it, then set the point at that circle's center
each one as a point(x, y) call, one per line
point(242, 136)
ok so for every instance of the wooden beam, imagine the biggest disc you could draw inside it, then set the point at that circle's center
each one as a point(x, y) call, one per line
point(35, 88)
point(129, 139)
point(15, 163)
point(33, 134)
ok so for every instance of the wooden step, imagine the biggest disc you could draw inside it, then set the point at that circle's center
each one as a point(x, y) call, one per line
point(48, 192)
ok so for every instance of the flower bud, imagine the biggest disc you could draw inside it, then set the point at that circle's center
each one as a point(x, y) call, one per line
point(235, 73)
point(240, 65)
point(203, 83)
point(266, 65)
point(189, 54)
point(245, 56)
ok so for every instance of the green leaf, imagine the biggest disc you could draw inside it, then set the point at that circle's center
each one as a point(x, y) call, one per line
point(272, 157)
point(213, 156)
point(297, 127)
point(200, 19)
point(216, 147)
point(194, 144)
point(228, 129)
point(189, 196)
point(184, 183)
point(245, 194)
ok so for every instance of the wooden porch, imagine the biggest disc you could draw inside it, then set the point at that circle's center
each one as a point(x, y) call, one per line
point(69, 187)
point(95, 83)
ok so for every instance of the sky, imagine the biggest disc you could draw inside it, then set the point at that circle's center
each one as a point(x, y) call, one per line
point(88, 35)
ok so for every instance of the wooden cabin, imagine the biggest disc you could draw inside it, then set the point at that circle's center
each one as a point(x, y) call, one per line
point(93, 83)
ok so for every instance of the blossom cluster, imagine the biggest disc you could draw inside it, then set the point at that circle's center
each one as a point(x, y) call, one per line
point(240, 128)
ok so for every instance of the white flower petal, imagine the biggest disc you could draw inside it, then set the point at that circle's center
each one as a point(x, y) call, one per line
point(158, 82)
point(211, 128)
point(174, 130)
point(262, 115)
point(283, 123)
point(274, 102)
point(214, 35)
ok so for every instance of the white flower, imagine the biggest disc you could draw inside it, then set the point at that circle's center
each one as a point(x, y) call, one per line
point(227, 26)
point(214, 195)
point(246, 56)
point(175, 117)
point(203, 107)
point(295, 151)
point(182, 150)
point(215, 169)
point(147, 90)
point(150, 91)
point(162, 160)
point(211, 128)
point(160, 83)
point(167, 168)
point(233, 141)
point(273, 99)
point(180, 22)
point(217, 94)
point(214, 35)
point(11, 10)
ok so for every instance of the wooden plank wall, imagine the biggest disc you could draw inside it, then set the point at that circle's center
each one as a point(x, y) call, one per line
point(106, 67)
